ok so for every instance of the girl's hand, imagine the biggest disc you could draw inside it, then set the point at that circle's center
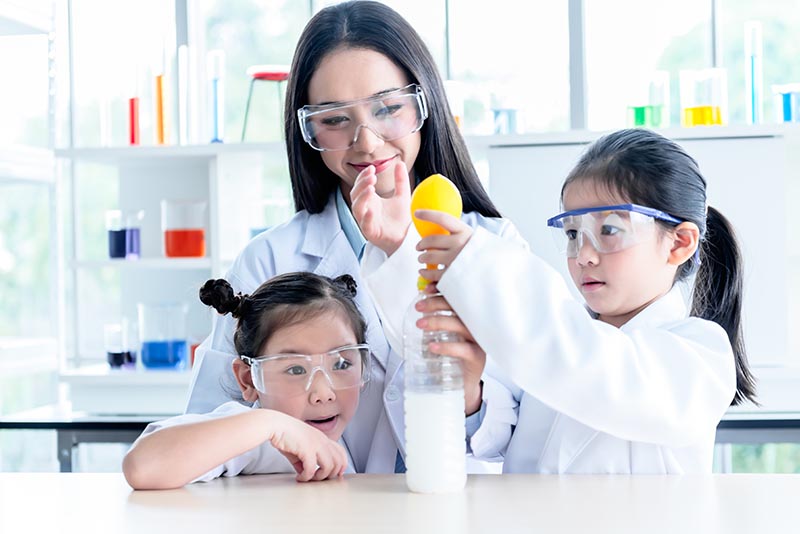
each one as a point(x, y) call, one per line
point(441, 249)
point(314, 456)
point(471, 356)
point(383, 220)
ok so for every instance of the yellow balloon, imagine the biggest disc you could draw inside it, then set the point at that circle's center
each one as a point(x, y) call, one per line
point(435, 192)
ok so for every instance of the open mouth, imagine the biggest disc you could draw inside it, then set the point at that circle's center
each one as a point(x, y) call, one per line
point(329, 423)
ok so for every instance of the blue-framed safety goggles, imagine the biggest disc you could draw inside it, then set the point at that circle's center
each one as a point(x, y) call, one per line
point(608, 228)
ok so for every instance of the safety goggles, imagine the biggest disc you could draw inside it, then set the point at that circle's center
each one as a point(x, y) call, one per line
point(389, 116)
point(289, 375)
point(608, 228)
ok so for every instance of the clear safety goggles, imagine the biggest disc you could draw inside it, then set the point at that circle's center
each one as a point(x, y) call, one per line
point(289, 375)
point(389, 116)
point(608, 228)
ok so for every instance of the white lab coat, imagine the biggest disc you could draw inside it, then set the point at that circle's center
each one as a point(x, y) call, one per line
point(318, 244)
point(576, 395)
point(263, 459)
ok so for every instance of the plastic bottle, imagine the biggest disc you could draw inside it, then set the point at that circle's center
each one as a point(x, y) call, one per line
point(434, 384)
point(434, 409)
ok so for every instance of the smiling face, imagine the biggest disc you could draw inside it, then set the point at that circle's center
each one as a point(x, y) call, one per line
point(617, 285)
point(348, 74)
point(321, 406)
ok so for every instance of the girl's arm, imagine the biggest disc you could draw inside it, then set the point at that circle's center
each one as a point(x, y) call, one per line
point(658, 383)
point(172, 457)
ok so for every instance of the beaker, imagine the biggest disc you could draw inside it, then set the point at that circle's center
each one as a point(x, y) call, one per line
point(183, 223)
point(652, 109)
point(162, 329)
point(704, 97)
point(118, 343)
point(116, 234)
point(787, 102)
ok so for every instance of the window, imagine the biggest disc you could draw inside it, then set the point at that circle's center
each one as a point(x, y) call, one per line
point(513, 64)
point(627, 40)
point(780, 20)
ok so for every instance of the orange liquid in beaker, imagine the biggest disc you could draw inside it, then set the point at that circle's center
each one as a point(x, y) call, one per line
point(185, 243)
point(702, 116)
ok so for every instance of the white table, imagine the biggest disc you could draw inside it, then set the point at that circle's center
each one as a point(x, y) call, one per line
point(86, 503)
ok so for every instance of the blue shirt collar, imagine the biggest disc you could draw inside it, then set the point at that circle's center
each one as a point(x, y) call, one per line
point(349, 225)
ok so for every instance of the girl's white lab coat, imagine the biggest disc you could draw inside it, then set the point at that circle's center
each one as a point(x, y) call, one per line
point(584, 396)
point(318, 244)
point(565, 393)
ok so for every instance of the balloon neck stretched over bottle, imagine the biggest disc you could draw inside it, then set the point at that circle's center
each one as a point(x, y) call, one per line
point(422, 283)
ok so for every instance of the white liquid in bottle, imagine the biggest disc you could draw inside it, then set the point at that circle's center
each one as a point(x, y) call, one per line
point(435, 445)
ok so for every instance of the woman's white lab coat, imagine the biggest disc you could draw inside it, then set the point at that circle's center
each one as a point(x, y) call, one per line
point(565, 393)
point(318, 244)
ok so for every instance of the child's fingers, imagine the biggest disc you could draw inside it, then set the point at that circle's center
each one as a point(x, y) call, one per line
point(327, 466)
point(440, 242)
point(445, 220)
point(433, 304)
point(436, 257)
point(309, 466)
point(460, 350)
point(431, 275)
point(447, 324)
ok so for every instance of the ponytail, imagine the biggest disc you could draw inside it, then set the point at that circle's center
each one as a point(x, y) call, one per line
point(717, 294)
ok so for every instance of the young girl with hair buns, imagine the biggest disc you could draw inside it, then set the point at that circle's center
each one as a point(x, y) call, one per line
point(302, 362)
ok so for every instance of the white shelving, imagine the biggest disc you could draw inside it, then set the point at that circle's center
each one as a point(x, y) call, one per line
point(229, 178)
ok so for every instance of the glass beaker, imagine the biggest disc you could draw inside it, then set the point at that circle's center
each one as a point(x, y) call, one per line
point(704, 97)
point(787, 102)
point(116, 234)
point(183, 223)
point(162, 329)
point(133, 231)
point(652, 111)
point(118, 343)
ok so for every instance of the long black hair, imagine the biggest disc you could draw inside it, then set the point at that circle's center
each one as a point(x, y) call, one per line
point(374, 26)
point(282, 301)
point(651, 170)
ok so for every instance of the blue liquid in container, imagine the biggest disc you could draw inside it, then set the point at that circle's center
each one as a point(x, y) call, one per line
point(133, 246)
point(116, 243)
point(171, 354)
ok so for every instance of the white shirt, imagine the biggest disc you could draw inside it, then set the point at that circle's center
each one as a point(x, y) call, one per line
point(264, 459)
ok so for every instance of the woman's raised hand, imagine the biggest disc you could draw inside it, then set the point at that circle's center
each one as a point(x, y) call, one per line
point(383, 219)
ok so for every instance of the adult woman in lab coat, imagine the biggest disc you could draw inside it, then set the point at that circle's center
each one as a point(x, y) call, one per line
point(365, 104)
point(639, 383)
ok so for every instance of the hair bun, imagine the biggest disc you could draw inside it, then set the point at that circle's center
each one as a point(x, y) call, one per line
point(347, 283)
point(218, 294)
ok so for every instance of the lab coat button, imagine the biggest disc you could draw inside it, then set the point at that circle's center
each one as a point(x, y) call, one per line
point(392, 394)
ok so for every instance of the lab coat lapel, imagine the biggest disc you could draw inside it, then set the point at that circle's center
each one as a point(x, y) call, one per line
point(325, 239)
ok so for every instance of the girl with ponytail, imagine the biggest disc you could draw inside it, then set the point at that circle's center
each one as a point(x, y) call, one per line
point(302, 362)
point(634, 379)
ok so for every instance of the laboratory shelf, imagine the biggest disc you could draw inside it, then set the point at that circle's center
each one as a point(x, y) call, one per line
point(146, 263)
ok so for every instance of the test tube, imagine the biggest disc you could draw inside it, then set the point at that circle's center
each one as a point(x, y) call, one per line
point(753, 48)
point(215, 70)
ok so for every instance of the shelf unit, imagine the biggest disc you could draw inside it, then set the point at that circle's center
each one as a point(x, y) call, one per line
point(229, 179)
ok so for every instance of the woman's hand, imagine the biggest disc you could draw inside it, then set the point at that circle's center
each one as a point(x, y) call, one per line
point(313, 455)
point(441, 249)
point(471, 356)
point(383, 220)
